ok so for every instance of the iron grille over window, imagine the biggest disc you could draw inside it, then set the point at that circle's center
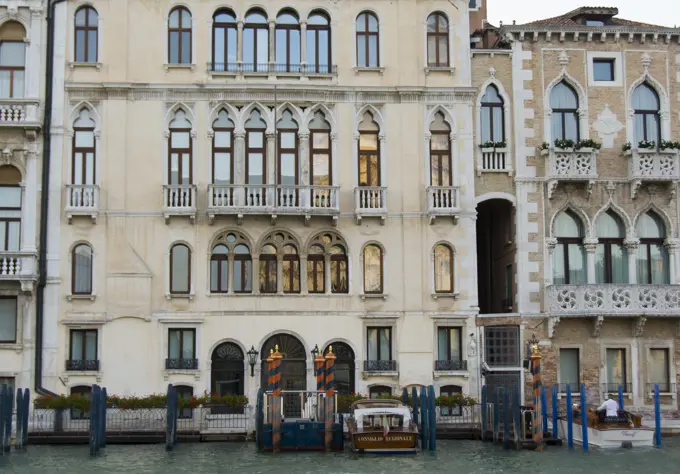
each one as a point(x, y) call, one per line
point(502, 346)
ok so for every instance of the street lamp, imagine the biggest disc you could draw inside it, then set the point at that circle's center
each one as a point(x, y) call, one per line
point(532, 347)
point(315, 351)
point(252, 360)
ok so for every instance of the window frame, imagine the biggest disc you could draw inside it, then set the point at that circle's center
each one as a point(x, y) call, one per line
point(437, 34)
point(367, 34)
point(294, 261)
point(270, 274)
point(562, 384)
point(318, 265)
point(84, 151)
point(182, 153)
point(226, 26)
point(181, 342)
point(502, 364)
point(448, 330)
point(313, 151)
point(647, 243)
point(87, 28)
point(287, 28)
point(666, 382)
point(255, 27)
point(645, 113)
point(229, 149)
point(379, 390)
point(491, 106)
point(451, 257)
point(565, 242)
point(564, 112)
point(12, 70)
point(221, 259)
point(262, 150)
point(389, 334)
point(171, 289)
point(83, 333)
point(612, 69)
point(178, 31)
point(366, 154)
point(6, 221)
point(607, 242)
point(244, 258)
point(287, 151)
point(16, 319)
point(624, 353)
point(381, 291)
point(441, 156)
point(316, 29)
point(340, 258)
point(74, 273)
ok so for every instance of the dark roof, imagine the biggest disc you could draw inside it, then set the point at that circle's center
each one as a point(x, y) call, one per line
point(573, 18)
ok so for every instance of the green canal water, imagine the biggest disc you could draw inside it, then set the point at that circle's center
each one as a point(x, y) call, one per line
point(459, 457)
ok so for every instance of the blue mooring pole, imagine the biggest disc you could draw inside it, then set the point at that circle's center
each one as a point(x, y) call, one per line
point(404, 396)
point(484, 413)
point(584, 418)
point(570, 418)
point(19, 437)
point(102, 419)
point(496, 414)
point(506, 419)
point(433, 418)
point(414, 402)
point(554, 412)
point(5, 418)
point(517, 411)
point(168, 420)
point(544, 410)
point(424, 432)
point(94, 429)
point(657, 417)
point(621, 397)
point(27, 411)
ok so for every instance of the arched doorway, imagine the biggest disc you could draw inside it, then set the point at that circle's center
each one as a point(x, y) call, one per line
point(344, 367)
point(496, 249)
point(293, 370)
point(227, 370)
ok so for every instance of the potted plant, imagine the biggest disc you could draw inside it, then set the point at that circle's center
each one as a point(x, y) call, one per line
point(587, 144)
point(646, 146)
point(564, 144)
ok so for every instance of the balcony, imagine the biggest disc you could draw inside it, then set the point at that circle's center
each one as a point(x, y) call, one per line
point(450, 365)
point(495, 160)
point(181, 364)
point(664, 387)
point(380, 366)
point(82, 365)
point(613, 299)
point(570, 165)
point(266, 199)
point(650, 166)
point(370, 201)
point(20, 113)
point(274, 69)
point(179, 200)
point(19, 266)
point(82, 200)
point(613, 388)
point(442, 201)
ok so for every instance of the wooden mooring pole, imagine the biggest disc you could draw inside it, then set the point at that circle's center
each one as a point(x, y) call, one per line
point(330, 396)
point(538, 405)
point(276, 396)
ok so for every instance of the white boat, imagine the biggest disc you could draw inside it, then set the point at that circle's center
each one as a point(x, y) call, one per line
point(382, 426)
point(621, 432)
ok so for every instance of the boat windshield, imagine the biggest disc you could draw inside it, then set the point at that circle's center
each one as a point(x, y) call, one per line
point(380, 422)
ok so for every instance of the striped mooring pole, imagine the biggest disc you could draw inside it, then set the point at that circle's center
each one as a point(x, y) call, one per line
point(330, 395)
point(276, 379)
point(320, 363)
point(270, 390)
point(538, 409)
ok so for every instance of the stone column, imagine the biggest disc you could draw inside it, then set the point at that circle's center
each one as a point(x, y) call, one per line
point(239, 166)
point(29, 211)
point(239, 44)
point(271, 165)
point(303, 44)
point(33, 54)
point(383, 160)
point(548, 276)
point(305, 178)
point(272, 43)
point(673, 245)
point(230, 272)
point(631, 246)
point(279, 273)
point(256, 272)
point(327, 274)
point(591, 245)
point(303, 274)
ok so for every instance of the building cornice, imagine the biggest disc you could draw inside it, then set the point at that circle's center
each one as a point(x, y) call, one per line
point(655, 34)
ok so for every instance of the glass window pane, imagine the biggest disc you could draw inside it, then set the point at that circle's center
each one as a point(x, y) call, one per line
point(84, 139)
point(373, 51)
point(174, 344)
point(498, 133)
point(372, 23)
point(224, 276)
point(82, 283)
point(321, 176)
point(10, 197)
point(311, 47)
point(454, 344)
point(187, 344)
point(443, 50)
point(287, 169)
point(320, 141)
point(639, 129)
point(557, 132)
point(642, 265)
point(652, 127)
point(174, 47)
point(262, 46)
point(600, 264)
point(288, 140)
point(8, 319)
point(13, 236)
point(616, 368)
point(368, 141)
point(173, 21)
point(255, 140)
point(372, 343)
point(610, 225)
point(443, 269)
point(486, 124)
point(231, 46)
point(281, 46)
point(223, 139)
point(571, 127)
point(432, 50)
point(619, 264)
point(442, 344)
point(255, 168)
point(222, 171)
point(372, 269)
point(218, 47)
point(77, 345)
point(658, 368)
point(660, 265)
point(180, 269)
point(439, 142)
point(5, 84)
point(569, 367)
point(92, 46)
point(186, 47)
point(324, 59)
point(294, 47)
point(214, 268)
point(12, 53)
point(361, 51)
point(385, 344)
point(248, 45)
point(91, 345)
point(577, 264)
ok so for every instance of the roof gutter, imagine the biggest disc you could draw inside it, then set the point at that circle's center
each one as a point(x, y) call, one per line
point(44, 201)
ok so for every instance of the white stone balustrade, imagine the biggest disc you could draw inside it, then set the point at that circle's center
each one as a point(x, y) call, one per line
point(179, 200)
point(442, 201)
point(82, 199)
point(495, 159)
point(613, 299)
point(570, 165)
point(652, 165)
point(18, 266)
point(19, 112)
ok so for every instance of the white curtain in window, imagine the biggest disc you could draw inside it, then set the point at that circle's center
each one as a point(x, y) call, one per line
point(8, 319)
point(658, 368)
point(569, 367)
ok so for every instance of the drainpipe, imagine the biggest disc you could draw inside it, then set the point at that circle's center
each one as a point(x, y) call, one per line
point(44, 201)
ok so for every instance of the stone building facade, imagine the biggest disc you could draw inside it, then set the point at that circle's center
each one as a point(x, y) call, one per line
point(21, 104)
point(595, 232)
point(231, 179)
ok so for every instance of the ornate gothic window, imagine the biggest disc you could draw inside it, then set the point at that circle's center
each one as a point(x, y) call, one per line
point(180, 270)
point(368, 40)
point(83, 149)
point(291, 269)
point(326, 255)
point(443, 269)
point(243, 269)
point(268, 270)
point(10, 216)
point(493, 118)
point(611, 257)
point(223, 159)
point(564, 104)
point(440, 152)
point(437, 40)
point(569, 264)
point(369, 152)
point(287, 42)
point(219, 269)
point(288, 176)
point(230, 249)
point(647, 119)
point(180, 150)
point(652, 256)
point(256, 159)
point(179, 36)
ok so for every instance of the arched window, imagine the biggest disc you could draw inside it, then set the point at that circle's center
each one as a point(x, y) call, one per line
point(268, 269)
point(443, 269)
point(288, 178)
point(179, 36)
point(564, 104)
point(180, 270)
point(373, 269)
point(344, 367)
point(80, 391)
point(646, 122)
point(369, 152)
point(379, 391)
point(493, 118)
point(86, 35)
point(652, 256)
point(440, 151)
point(83, 155)
point(291, 269)
point(224, 38)
point(227, 375)
point(611, 257)
point(223, 159)
point(319, 43)
point(81, 270)
point(316, 270)
point(179, 152)
point(185, 392)
point(256, 42)
point(256, 159)
point(368, 40)
point(569, 264)
point(287, 42)
point(437, 40)
point(243, 270)
point(219, 269)
point(450, 391)
point(10, 216)
point(12, 60)
point(339, 270)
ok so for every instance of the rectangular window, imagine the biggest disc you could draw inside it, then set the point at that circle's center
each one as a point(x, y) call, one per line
point(9, 381)
point(594, 23)
point(181, 344)
point(659, 373)
point(83, 344)
point(8, 319)
point(616, 370)
point(502, 346)
point(449, 343)
point(379, 343)
point(12, 60)
point(569, 370)
point(603, 70)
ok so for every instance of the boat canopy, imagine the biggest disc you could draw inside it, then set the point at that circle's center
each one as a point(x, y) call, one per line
point(377, 417)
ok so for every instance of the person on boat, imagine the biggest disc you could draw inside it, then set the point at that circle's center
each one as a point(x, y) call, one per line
point(608, 409)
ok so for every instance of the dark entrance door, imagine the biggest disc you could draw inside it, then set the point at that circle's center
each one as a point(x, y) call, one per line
point(293, 372)
point(227, 374)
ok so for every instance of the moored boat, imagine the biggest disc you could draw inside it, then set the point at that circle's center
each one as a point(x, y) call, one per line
point(623, 431)
point(382, 426)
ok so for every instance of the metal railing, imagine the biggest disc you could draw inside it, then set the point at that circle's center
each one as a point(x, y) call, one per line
point(614, 387)
point(459, 415)
point(575, 387)
point(273, 68)
point(181, 364)
point(82, 197)
point(664, 387)
point(450, 365)
point(179, 197)
point(380, 366)
point(368, 199)
point(82, 365)
point(442, 198)
point(300, 404)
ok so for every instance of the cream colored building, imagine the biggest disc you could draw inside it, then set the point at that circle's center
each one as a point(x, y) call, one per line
point(234, 178)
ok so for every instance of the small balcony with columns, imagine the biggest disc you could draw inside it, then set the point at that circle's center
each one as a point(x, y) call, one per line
point(599, 300)
point(653, 166)
point(565, 165)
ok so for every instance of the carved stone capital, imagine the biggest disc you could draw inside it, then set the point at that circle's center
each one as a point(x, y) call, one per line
point(672, 244)
point(211, 134)
point(550, 243)
point(240, 135)
point(334, 136)
point(631, 244)
point(597, 325)
point(590, 244)
point(270, 135)
point(639, 326)
point(303, 135)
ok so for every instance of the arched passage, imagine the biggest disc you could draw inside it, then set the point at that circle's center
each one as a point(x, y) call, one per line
point(344, 367)
point(227, 370)
point(293, 370)
point(495, 256)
